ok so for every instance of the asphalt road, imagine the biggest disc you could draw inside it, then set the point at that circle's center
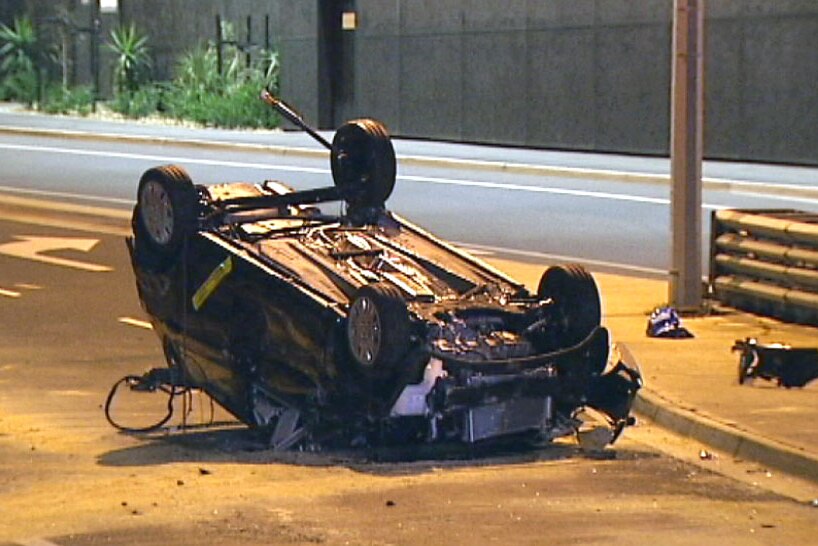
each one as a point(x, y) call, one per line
point(72, 327)
point(609, 225)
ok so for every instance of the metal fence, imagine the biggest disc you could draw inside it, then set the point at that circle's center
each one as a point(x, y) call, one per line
point(766, 261)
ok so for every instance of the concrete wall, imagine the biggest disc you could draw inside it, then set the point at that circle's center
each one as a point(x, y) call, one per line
point(589, 74)
point(571, 74)
point(9, 9)
point(762, 80)
point(565, 74)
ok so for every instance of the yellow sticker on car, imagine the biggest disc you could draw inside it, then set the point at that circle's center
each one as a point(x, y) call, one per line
point(212, 283)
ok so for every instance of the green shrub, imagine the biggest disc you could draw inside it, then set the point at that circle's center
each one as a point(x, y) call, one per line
point(64, 100)
point(197, 71)
point(20, 55)
point(143, 102)
point(230, 99)
point(236, 106)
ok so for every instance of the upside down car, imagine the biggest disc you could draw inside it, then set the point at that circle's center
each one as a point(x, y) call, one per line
point(361, 327)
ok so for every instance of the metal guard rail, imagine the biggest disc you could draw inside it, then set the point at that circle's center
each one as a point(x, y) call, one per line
point(766, 261)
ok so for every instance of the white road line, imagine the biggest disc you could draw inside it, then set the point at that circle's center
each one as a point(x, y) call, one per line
point(48, 193)
point(135, 322)
point(311, 170)
point(556, 191)
point(9, 293)
point(165, 158)
point(474, 251)
point(564, 259)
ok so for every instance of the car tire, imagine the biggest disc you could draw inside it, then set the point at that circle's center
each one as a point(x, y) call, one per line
point(576, 299)
point(363, 163)
point(166, 208)
point(378, 327)
point(745, 362)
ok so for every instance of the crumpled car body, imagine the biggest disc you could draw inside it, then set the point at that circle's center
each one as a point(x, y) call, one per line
point(362, 328)
point(786, 365)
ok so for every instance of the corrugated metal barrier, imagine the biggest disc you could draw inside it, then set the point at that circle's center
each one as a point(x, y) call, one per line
point(766, 261)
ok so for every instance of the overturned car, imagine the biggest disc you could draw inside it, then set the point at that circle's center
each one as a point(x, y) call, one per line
point(361, 328)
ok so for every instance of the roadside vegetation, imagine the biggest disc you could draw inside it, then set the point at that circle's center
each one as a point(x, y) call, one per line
point(203, 90)
point(20, 56)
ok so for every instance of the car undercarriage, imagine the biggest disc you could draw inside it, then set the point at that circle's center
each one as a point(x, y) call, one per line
point(360, 328)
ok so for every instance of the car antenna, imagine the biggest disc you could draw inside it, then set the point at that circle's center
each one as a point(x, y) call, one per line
point(289, 112)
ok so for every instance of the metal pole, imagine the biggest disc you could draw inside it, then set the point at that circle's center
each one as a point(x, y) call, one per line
point(95, 61)
point(219, 43)
point(686, 143)
point(249, 39)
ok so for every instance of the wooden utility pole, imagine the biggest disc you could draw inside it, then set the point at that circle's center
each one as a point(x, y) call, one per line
point(686, 143)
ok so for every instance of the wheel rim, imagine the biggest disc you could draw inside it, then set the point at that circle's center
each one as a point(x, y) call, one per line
point(157, 212)
point(364, 331)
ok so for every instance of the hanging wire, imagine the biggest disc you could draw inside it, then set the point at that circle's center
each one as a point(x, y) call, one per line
point(138, 383)
point(151, 383)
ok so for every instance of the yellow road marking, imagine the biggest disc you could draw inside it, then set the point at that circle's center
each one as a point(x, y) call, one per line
point(27, 286)
point(37, 542)
point(34, 248)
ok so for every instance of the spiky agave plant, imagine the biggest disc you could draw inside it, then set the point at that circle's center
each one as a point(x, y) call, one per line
point(20, 54)
point(133, 61)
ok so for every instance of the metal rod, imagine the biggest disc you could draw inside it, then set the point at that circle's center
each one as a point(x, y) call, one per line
point(219, 42)
point(786, 275)
point(305, 197)
point(249, 39)
point(733, 242)
point(95, 28)
point(782, 227)
point(287, 111)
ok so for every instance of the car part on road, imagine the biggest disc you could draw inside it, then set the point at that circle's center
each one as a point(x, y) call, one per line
point(361, 328)
point(787, 366)
point(162, 380)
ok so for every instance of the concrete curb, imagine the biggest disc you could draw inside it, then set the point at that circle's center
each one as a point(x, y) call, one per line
point(738, 443)
point(151, 139)
point(716, 184)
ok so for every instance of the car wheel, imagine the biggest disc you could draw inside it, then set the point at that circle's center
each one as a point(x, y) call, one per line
point(575, 298)
point(378, 326)
point(363, 163)
point(745, 363)
point(166, 208)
